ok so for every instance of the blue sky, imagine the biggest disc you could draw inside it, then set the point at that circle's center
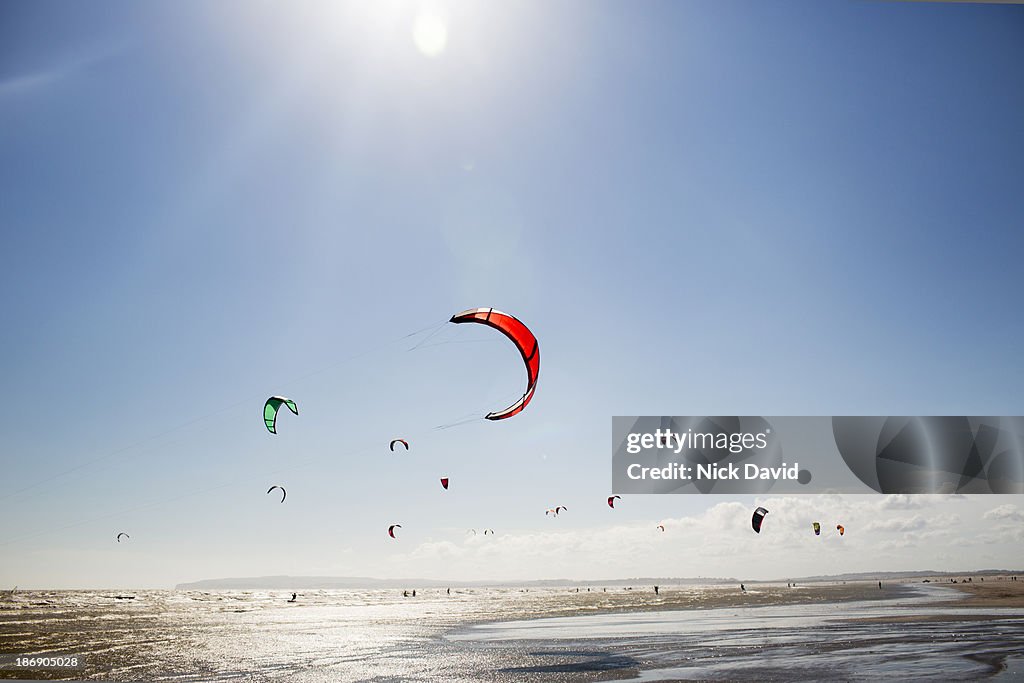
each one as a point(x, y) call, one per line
point(699, 207)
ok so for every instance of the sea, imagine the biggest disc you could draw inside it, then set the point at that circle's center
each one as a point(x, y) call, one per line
point(504, 634)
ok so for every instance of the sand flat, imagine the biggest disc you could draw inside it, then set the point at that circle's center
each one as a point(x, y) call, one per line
point(992, 593)
point(920, 632)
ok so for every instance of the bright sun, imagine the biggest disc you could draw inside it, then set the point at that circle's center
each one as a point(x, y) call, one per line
point(430, 34)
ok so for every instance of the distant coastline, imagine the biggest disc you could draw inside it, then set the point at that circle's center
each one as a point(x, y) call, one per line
point(354, 583)
point(344, 583)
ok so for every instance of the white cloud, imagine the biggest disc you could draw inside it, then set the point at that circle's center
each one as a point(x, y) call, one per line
point(903, 501)
point(1008, 512)
point(888, 535)
point(915, 523)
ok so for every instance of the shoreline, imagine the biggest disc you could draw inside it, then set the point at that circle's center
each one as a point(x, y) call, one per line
point(912, 630)
point(988, 595)
point(822, 631)
point(1004, 593)
point(968, 596)
point(963, 602)
point(623, 601)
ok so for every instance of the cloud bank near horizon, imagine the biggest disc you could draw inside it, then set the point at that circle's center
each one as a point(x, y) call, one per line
point(890, 533)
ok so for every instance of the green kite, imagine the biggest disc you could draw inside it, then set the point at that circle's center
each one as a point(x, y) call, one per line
point(270, 409)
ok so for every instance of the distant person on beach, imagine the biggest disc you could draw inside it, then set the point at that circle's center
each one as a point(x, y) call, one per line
point(414, 593)
point(879, 585)
point(405, 594)
point(655, 590)
point(295, 597)
point(449, 591)
point(743, 588)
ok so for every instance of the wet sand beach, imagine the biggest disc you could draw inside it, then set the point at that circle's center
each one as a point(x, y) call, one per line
point(832, 631)
point(920, 632)
point(1001, 592)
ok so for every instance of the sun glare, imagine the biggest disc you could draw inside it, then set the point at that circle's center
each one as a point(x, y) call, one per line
point(430, 34)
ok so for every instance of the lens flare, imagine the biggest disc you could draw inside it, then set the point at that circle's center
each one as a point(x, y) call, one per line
point(430, 34)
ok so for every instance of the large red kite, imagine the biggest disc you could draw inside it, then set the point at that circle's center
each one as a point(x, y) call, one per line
point(524, 340)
